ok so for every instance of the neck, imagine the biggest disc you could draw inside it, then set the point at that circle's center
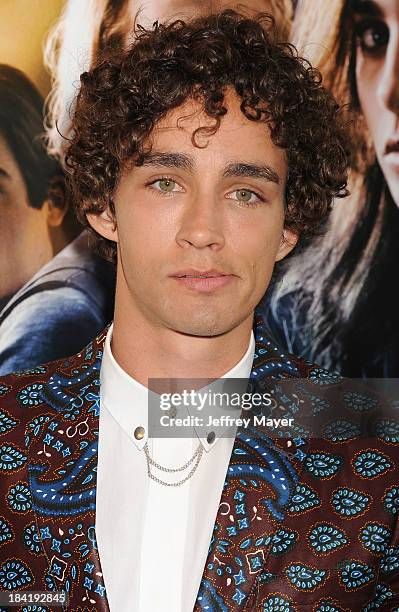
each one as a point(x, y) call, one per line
point(144, 350)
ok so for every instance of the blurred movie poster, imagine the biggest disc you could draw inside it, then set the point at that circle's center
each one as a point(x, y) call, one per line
point(334, 303)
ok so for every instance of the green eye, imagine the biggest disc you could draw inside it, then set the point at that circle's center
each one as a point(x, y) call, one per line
point(166, 185)
point(244, 195)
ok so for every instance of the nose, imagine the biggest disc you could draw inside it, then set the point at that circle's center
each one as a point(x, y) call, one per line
point(201, 225)
point(388, 88)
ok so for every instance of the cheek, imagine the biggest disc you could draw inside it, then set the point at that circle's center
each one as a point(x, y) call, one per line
point(141, 241)
point(9, 218)
point(259, 243)
point(17, 220)
point(367, 85)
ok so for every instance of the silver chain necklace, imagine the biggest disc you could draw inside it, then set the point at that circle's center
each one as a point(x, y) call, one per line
point(150, 462)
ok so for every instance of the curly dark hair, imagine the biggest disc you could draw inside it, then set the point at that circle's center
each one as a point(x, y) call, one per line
point(123, 98)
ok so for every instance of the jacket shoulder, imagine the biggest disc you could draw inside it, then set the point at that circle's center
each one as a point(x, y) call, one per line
point(46, 390)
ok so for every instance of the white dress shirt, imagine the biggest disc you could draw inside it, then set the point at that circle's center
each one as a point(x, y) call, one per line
point(153, 539)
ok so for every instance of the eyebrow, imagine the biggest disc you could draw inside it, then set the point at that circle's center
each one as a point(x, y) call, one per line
point(366, 7)
point(186, 162)
point(252, 171)
point(166, 160)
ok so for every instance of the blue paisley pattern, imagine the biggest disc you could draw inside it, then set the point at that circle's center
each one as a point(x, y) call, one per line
point(390, 561)
point(375, 537)
point(60, 391)
point(370, 464)
point(29, 396)
point(6, 532)
point(359, 403)
point(14, 575)
point(6, 422)
point(35, 426)
point(277, 471)
point(320, 376)
point(355, 575)
point(4, 388)
point(303, 499)
point(72, 493)
point(341, 431)
point(19, 497)
point(304, 577)
point(319, 404)
point(391, 500)
point(277, 603)
point(325, 538)
point(31, 371)
point(382, 594)
point(283, 541)
point(11, 458)
point(387, 430)
point(349, 503)
point(323, 465)
point(208, 598)
point(32, 540)
point(268, 359)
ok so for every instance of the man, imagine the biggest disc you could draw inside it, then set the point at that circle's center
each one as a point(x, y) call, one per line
point(49, 280)
point(198, 156)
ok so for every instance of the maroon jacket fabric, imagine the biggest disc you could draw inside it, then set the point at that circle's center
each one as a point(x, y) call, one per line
point(305, 522)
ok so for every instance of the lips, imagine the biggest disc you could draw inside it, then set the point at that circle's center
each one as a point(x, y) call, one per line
point(203, 282)
point(392, 146)
point(193, 273)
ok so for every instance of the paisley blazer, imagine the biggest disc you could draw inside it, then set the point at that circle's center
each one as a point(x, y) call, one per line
point(305, 523)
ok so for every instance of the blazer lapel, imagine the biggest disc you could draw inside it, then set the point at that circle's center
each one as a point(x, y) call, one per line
point(260, 480)
point(62, 477)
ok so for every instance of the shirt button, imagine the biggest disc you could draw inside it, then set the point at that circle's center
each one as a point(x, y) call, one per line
point(210, 437)
point(139, 433)
point(172, 412)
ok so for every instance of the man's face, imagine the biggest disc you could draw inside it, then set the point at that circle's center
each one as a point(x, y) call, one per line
point(24, 235)
point(217, 210)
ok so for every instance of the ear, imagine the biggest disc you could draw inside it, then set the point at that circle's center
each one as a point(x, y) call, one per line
point(104, 223)
point(289, 238)
point(54, 214)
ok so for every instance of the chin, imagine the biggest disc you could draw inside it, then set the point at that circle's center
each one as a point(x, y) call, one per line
point(394, 190)
point(391, 177)
point(205, 326)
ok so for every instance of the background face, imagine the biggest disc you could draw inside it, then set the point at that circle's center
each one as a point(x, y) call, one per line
point(151, 10)
point(377, 74)
point(24, 237)
point(171, 216)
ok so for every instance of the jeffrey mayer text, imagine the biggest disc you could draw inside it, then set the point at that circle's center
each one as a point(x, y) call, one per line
point(224, 421)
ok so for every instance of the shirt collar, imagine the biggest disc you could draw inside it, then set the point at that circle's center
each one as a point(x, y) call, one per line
point(127, 399)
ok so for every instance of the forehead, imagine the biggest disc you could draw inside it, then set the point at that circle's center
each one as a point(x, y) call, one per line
point(377, 7)
point(151, 10)
point(237, 137)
